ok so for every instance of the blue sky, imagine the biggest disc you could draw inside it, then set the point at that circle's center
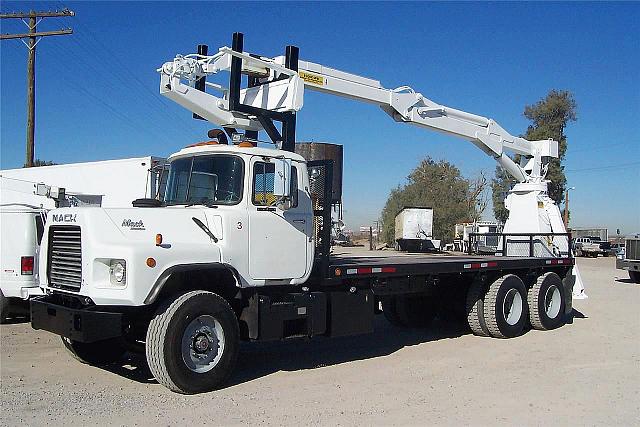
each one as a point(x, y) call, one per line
point(97, 89)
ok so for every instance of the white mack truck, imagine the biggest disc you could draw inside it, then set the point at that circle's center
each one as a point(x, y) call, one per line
point(239, 249)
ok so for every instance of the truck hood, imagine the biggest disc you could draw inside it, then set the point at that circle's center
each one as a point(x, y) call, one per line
point(176, 224)
point(129, 234)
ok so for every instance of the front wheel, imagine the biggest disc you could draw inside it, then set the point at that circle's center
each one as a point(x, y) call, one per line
point(634, 276)
point(193, 342)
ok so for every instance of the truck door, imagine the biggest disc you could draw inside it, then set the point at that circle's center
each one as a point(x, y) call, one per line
point(278, 239)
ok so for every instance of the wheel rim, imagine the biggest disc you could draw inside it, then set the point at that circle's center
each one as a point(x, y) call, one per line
point(552, 301)
point(202, 344)
point(512, 307)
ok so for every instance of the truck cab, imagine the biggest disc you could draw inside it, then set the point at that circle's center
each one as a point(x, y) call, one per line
point(236, 208)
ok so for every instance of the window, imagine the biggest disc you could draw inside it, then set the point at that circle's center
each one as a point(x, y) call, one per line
point(39, 228)
point(263, 183)
point(205, 180)
point(294, 187)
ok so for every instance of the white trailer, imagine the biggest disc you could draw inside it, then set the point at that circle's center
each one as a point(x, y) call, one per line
point(414, 229)
point(116, 182)
point(26, 195)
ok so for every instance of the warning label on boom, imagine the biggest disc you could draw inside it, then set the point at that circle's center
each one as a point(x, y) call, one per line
point(312, 78)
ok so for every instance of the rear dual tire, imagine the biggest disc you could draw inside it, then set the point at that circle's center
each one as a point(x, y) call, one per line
point(502, 310)
point(475, 308)
point(505, 307)
point(546, 302)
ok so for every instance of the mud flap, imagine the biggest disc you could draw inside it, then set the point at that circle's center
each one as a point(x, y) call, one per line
point(578, 285)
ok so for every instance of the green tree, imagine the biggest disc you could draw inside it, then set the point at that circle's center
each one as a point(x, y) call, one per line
point(549, 118)
point(500, 185)
point(38, 162)
point(436, 184)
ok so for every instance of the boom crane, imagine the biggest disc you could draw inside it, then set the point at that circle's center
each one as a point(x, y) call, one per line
point(275, 92)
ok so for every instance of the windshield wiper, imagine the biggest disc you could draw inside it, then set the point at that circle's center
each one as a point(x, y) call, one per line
point(208, 203)
point(205, 229)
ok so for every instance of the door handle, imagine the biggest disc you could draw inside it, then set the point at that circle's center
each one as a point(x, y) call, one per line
point(299, 221)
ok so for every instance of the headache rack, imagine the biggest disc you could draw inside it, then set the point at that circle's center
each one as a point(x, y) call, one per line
point(539, 245)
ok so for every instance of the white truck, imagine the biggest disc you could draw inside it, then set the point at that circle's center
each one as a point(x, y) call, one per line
point(414, 230)
point(240, 247)
point(27, 194)
point(585, 246)
point(630, 259)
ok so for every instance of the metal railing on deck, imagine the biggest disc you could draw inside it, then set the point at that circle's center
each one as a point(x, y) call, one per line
point(539, 245)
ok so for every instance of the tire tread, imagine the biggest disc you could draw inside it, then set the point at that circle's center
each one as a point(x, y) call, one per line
point(490, 317)
point(475, 309)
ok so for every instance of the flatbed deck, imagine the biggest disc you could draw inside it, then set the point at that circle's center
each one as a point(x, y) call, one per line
point(371, 263)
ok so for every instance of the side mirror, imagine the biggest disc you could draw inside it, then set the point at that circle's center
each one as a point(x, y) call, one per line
point(282, 178)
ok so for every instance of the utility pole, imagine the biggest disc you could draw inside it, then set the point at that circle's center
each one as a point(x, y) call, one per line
point(32, 41)
point(566, 207)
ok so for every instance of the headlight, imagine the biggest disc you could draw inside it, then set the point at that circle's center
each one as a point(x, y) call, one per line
point(118, 270)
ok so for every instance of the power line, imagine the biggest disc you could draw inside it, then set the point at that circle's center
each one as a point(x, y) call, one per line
point(597, 168)
point(604, 147)
point(141, 86)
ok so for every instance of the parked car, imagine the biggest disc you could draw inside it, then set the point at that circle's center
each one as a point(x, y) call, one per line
point(584, 246)
point(605, 246)
point(617, 249)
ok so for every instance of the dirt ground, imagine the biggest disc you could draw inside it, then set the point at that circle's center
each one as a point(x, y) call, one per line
point(587, 372)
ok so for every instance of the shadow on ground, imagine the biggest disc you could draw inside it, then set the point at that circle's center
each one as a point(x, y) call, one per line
point(575, 314)
point(625, 280)
point(260, 359)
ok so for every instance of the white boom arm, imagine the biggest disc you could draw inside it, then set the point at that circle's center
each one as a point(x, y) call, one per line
point(403, 104)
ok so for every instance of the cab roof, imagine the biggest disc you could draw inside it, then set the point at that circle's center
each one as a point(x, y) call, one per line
point(234, 149)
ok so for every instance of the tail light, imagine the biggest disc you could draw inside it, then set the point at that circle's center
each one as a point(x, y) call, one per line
point(26, 265)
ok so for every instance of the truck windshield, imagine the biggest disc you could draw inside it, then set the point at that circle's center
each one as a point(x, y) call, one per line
point(207, 180)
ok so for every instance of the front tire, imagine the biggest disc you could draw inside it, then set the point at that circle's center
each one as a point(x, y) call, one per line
point(95, 353)
point(193, 342)
point(634, 276)
point(546, 302)
point(505, 307)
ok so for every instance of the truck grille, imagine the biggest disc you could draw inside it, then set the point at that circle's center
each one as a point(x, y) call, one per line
point(65, 257)
point(632, 250)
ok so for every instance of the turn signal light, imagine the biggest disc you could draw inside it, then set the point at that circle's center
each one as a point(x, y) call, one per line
point(158, 239)
point(26, 265)
point(200, 144)
point(151, 262)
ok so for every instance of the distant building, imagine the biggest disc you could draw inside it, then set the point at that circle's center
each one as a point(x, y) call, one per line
point(601, 233)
